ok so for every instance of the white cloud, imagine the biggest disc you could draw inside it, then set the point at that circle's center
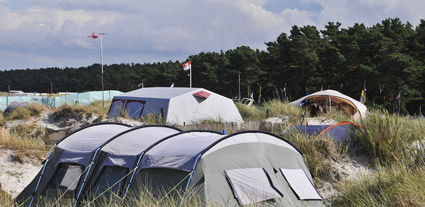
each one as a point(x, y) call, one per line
point(369, 12)
point(145, 31)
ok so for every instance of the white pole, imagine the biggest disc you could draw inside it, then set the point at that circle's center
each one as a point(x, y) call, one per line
point(191, 76)
point(101, 67)
point(239, 95)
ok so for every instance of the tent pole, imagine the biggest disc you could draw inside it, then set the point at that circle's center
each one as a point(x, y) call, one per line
point(132, 176)
point(41, 174)
point(190, 177)
point(85, 177)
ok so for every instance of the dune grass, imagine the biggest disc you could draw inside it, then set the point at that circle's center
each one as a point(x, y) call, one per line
point(25, 146)
point(2, 119)
point(26, 112)
point(5, 198)
point(317, 153)
point(269, 108)
point(388, 187)
point(79, 111)
point(389, 138)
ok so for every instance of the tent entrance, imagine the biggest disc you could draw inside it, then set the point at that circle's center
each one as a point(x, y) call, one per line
point(109, 182)
point(132, 108)
point(65, 180)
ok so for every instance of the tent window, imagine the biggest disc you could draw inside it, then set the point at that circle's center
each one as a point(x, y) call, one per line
point(110, 175)
point(251, 185)
point(66, 177)
point(116, 107)
point(134, 108)
point(300, 184)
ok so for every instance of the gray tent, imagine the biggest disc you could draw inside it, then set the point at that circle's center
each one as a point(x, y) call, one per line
point(66, 169)
point(238, 169)
point(177, 105)
point(233, 170)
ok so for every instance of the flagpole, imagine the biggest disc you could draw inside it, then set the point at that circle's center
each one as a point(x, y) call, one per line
point(399, 103)
point(101, 67)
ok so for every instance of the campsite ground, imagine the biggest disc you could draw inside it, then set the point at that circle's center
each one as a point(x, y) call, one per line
point(338, 170)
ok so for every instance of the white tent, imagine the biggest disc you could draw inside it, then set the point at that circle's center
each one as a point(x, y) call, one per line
point(177, 105)
point(333, 100)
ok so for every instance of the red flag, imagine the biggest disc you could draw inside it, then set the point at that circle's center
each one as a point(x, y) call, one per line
point(398, 96)
point(187, 65)
point(93, 36)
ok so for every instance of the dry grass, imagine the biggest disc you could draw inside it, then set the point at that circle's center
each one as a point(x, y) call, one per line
point(2, 119)
point(25, 146)
point(26, 112)
point(388, 138)
point(77, 111)
point(318, 153)
point(388, 187)
point(5, 198)
point(271, 108)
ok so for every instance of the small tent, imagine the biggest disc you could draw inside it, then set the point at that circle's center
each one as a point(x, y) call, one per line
point(65, 170)
point(321, 101)
point(176, 105)
point(13, 106)
point(339, 132)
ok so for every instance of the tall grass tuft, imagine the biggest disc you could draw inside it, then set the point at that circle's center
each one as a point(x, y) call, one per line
point(250, 113)
point(25, 146)
point(318, 153)
point(388, 138)
point(5, 198)
point(26, 112)
point(2, 119)
point(78, 111)
point(268, 109)
point(277, 108)
point(388, 187)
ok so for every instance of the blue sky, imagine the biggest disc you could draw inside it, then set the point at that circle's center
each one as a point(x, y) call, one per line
point(53, 33)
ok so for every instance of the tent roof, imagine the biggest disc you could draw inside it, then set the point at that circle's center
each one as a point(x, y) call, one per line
point(180, 151)
point(159, 92)
point(89, 138)
point(137, 140)
point(359, 106)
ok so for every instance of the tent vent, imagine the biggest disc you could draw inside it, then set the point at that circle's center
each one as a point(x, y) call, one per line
point(300, 183)
point(251, 185)
point(202, 94)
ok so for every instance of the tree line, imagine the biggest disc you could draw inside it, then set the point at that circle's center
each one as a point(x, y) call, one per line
point(387, 58)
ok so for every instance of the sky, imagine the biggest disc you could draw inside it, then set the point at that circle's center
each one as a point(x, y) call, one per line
point(53, 33)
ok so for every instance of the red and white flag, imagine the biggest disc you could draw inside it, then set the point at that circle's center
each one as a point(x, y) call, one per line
point(93, 36)
point(187, 65)
point(398, 96)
